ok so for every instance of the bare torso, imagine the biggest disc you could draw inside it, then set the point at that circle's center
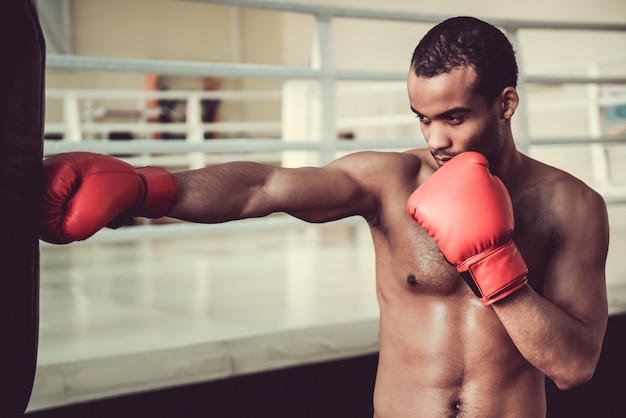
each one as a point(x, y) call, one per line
point(442, 353)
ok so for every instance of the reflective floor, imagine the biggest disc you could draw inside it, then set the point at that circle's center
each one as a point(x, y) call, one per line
point(127, 317)
point(119, 318)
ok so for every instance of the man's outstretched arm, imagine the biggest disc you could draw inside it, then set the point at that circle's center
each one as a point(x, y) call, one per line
point(247, 190)
point(84, 192)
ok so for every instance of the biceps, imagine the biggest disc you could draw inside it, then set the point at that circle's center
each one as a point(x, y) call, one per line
point(575, 277)
point(575, 282)
point(317, 194)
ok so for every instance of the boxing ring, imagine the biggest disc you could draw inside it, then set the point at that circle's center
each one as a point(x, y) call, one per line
point(168, 304)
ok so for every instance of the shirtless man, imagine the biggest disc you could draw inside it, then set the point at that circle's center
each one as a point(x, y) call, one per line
point(443, 352)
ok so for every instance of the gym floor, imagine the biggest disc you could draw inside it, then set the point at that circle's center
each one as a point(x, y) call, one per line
point(283, 316)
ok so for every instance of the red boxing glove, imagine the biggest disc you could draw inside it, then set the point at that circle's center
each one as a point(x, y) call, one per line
point(83, 192)
point(468, 211)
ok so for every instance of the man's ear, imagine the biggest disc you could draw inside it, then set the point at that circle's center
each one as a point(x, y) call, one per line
point(509, 99)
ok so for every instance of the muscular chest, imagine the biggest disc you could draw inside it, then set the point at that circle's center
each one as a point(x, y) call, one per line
point(409, 261)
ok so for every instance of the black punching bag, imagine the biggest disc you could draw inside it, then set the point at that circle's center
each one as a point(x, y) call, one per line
point(22, 59)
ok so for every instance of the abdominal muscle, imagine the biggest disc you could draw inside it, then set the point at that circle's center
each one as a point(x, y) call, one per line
point(450, 357)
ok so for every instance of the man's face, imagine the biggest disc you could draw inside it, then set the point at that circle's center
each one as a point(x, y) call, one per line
point(453, 118)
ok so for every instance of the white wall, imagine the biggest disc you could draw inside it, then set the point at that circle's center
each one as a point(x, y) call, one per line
point(174, 30)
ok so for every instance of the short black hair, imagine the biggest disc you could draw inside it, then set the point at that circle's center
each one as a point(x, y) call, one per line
point(467, 41)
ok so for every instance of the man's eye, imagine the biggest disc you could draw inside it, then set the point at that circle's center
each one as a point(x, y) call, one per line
point(422, 118)
point(455, 120)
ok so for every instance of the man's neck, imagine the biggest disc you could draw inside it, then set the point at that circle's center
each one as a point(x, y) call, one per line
point(508, 165)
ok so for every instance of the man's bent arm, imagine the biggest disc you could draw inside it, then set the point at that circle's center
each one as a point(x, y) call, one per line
point(561, 333)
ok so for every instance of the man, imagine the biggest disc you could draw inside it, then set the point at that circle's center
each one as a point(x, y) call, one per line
point(443, 351)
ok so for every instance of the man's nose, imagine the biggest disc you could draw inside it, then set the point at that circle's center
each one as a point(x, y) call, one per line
point(437, 137)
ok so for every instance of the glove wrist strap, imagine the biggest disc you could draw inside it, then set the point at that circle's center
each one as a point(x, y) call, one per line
point(496, 274)
point(160, 192)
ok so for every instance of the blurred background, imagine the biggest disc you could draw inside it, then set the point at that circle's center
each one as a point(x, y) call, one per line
point(160, 307)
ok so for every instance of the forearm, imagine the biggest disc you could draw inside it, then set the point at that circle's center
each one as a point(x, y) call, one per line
point(560, 345)
point(222, 193)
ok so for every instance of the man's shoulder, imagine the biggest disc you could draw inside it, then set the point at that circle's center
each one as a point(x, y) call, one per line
point(383, 173)
point(560, 189)
point(556, 179)
point(391, 162)
point(413, 154)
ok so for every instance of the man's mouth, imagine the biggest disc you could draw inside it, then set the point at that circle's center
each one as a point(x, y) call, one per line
point(441, 160)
